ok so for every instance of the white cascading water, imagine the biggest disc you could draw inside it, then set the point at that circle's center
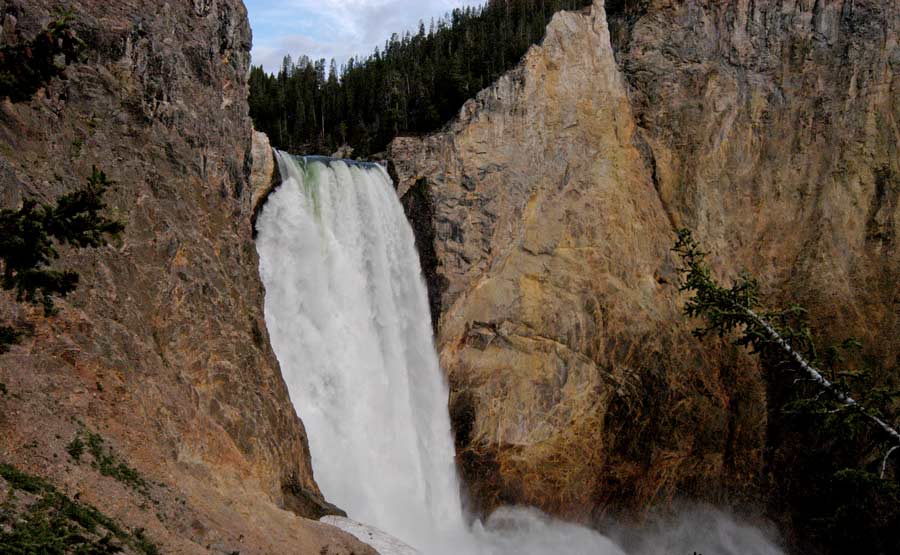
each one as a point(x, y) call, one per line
point(347, 311)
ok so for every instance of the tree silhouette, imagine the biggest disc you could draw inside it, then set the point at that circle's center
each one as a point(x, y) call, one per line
point(28, 244)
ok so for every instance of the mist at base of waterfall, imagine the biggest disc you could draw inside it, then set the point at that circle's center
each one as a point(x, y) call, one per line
point(347, 313)
point(698, 529)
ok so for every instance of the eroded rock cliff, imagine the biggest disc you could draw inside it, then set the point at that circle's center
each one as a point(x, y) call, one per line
point(162, 351)
point(548, 206)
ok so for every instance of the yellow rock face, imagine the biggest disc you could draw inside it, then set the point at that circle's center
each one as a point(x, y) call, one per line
point(554, 200)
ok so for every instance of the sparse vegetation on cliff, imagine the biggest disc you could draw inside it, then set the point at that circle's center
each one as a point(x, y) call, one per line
point(36, 518)
point(27, 66)
point(29, 239)
point(830, 434)
point(105, 460)
point(153, 91)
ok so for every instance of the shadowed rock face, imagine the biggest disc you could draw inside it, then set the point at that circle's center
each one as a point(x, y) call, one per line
point(162, 349)
point(768, 127)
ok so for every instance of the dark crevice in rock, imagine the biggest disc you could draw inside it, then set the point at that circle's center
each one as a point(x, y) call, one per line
point(419, 208)
point(650, 161)
point(621, 15)
point(478, 465)
point(879, 224)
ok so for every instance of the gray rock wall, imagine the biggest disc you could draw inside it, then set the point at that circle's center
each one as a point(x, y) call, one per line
point(163, 348)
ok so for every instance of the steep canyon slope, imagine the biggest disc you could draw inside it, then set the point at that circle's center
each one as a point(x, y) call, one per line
point(545, 211)
point(162, 350)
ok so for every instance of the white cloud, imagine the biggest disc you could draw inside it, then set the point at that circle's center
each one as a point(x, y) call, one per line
point(334, 28)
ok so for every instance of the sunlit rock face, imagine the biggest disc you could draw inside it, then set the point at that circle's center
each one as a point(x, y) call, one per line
point(549, 206)
point(162, 349)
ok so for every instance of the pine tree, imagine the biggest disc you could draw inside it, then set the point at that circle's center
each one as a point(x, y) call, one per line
point(782, 338)
point(830, 433)
point(29, 240)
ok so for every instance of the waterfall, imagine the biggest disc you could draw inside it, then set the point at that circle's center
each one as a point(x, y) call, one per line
point(347, 311)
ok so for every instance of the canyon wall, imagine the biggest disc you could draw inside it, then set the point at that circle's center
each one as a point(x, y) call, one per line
point(162, 351)
point(545, 213)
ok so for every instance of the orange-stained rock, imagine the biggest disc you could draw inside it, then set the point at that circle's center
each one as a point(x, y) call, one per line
point(162, 350)
point(548, 207)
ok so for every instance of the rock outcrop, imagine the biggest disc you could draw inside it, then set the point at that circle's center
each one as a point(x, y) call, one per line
point(162, 351)
point(548, 208)
point(263, 174)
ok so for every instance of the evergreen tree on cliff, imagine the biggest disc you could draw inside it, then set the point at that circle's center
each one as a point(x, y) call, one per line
point(29, 240)
point(29, 236)
point(831, 411)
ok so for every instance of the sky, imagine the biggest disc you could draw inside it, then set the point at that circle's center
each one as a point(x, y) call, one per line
point(334, 28)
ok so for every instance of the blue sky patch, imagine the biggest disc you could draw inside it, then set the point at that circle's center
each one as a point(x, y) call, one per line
point(334, 28)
